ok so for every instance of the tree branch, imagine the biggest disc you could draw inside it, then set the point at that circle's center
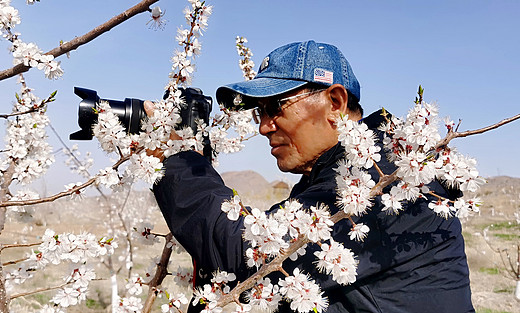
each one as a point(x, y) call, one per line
point(141, 7)
point(452, 135)
point(63, 193)
point(160, 273)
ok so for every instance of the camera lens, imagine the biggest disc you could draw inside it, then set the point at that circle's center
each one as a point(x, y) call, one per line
point(130, 112)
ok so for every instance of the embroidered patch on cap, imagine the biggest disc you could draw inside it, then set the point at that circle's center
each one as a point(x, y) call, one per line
point(264, 64)
point(323, 76)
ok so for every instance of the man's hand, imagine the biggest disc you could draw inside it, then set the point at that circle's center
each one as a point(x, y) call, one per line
point(158, 153)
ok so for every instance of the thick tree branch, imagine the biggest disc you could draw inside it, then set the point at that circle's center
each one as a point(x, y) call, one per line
point(141, 7)
point(160, 273)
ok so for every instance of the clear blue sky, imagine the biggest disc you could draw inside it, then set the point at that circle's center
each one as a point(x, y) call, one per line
point(464, 53)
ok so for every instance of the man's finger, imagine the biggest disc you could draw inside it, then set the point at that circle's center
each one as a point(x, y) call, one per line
point(149, 107)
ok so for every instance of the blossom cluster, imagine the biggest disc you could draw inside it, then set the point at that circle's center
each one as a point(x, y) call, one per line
point(246, 63)
point(25, 139)
point(27, 54)
point(66, 247)
point(413, 146)
point(272, 235)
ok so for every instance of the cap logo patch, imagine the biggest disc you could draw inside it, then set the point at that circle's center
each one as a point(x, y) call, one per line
point(323, 76)
point(264, 64)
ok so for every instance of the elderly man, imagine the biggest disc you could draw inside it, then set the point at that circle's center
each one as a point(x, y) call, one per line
point(411, 262)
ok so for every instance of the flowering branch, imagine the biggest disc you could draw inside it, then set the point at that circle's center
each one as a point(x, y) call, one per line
point(75, 189)
point(66, 47)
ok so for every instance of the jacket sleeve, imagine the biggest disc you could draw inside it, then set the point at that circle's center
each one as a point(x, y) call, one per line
point(190, 196)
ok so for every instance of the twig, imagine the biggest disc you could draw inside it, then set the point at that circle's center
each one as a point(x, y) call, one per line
point(23, 294)
point(15, 261)
point(452, 135)
point(141, 7)
point(18, 245)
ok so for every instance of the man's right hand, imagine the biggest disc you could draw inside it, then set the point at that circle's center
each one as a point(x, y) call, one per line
point(149, 107)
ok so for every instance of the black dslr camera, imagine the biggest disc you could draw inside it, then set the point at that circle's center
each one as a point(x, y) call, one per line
point(131, 112)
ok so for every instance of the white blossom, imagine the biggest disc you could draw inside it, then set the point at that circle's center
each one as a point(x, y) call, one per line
point(303, 293)
point(334, 259)
point(359, 232)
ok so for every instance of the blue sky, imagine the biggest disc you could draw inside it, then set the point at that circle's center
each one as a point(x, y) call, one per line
point(464, 53)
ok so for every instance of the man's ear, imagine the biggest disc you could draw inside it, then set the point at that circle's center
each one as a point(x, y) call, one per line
point(338, 97)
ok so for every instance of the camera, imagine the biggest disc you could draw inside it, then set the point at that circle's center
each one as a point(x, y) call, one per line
point(131, 112)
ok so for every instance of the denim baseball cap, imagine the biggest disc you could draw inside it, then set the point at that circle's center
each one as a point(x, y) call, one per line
point(290, 67)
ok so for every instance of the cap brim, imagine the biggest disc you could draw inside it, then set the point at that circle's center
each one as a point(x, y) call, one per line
point(255, 88)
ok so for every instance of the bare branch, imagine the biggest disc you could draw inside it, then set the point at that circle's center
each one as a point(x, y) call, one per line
point(45, 289)
point(18, 245)
point(452, 135)
point(14, 261)
point(141, 7)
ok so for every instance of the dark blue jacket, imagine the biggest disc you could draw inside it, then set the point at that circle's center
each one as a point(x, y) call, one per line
point(411, 262)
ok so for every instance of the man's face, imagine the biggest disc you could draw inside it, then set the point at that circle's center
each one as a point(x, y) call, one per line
point(301, 132)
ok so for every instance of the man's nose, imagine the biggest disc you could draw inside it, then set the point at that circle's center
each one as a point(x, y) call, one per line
point(267, 125)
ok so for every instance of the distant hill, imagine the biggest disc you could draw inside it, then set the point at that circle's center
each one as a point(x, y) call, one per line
point(246, 181)
point(254, 189)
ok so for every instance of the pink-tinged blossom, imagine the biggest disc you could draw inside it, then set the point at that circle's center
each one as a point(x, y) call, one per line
point(129, 305)
point(9, 16)
point(392, 201)
point(143, 233)
point(353, 189)
point(334, 259)
point(158, 22)
point(317, 224)
point(26, 140)
point(232, 208)
point(80, 276)
point(174, 303)
point(208, 296)
point(264, 295)
point(441, 207)
point(183, 277)
point(254, 258)
point(107, 177)
point(67, 297)
point(221, 144)
point(109, 130)
point(264, 232)
point(415, 168)
point(303, 293)
point(246, 63)
point(465, 208)
point(458, 170)
point(359, 232)
point(222, 277)
point(134, 285)
point(146, 167)
point(359, 143)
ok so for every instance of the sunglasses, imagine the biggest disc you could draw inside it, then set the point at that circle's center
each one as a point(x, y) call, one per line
point(273, 107)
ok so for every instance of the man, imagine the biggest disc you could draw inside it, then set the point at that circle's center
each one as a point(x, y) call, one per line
point(411, 262)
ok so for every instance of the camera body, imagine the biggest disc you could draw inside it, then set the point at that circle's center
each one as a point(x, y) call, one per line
point(131, 112)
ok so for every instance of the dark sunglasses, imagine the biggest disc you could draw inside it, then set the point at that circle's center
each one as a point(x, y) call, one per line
point(273, 107)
